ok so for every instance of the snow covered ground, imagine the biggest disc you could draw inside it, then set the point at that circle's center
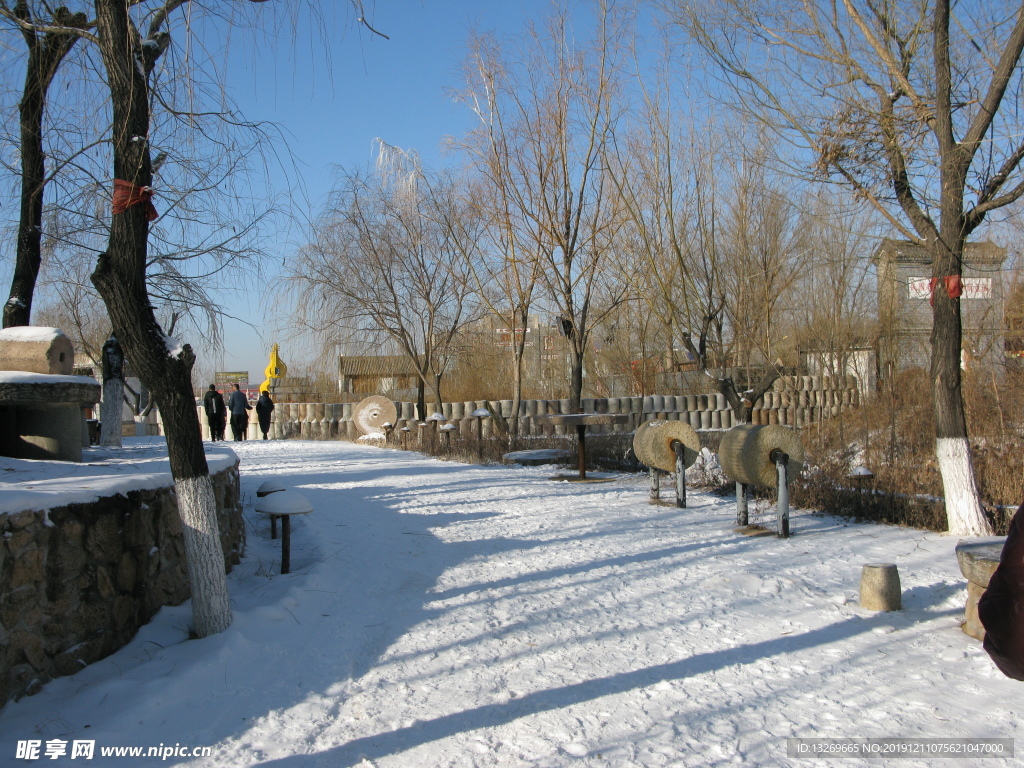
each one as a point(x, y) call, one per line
point(439, 614)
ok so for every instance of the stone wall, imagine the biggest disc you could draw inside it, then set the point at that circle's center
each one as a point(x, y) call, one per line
point(78, 581)
point(793, 401)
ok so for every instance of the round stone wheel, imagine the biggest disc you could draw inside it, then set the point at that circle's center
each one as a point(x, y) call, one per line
point(370, 415)
point(654, 444)
point(746, 451)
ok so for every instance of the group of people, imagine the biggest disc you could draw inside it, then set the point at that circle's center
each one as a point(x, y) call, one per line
point(238, 407)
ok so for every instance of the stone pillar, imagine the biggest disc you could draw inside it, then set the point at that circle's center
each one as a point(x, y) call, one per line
point(113, 394)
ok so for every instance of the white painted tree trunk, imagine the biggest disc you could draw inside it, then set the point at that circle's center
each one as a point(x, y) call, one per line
point(110, 413)
point(963, 508)
point(211, 607)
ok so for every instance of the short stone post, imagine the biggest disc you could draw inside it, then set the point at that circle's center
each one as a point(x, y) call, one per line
point(113, 394)
point(880, 587)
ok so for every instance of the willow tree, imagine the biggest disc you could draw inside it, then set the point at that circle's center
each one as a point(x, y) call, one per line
point(914, 106)
point(387, 261)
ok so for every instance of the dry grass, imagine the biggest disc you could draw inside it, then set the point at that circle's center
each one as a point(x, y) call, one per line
point(894, 436)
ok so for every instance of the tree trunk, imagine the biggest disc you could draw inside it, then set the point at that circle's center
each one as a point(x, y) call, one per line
point(576, 375)
point(438, 402)
point(964, 514)
point(421, 399)
point(120, 278)
point(45, 56)
point(517, 383)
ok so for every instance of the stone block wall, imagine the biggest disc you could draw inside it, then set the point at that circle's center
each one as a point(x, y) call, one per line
point(78, 581)
point(793, 400)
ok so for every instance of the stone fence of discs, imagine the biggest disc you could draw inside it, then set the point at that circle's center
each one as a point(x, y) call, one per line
point(793, 401)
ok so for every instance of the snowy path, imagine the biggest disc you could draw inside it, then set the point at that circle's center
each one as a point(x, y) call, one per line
point(439, 614)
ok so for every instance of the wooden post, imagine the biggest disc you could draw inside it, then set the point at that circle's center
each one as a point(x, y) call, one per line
point(286, 544)
point(742, 517)
point(782, 506)
point(655, 484)
point(680, 475)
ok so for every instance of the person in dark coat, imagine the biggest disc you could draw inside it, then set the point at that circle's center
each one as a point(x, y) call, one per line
point(238, 406)
point(264, 407)
point(213, 404)
point(1001, 608)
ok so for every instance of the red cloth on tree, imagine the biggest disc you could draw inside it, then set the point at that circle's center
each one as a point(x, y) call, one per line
point(954, 287)
point(1001, 608)
point(127, 194)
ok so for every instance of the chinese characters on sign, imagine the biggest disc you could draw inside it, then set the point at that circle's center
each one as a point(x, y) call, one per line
point(973, 288)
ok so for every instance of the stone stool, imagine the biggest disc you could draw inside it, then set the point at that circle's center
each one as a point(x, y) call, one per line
point(880, 587)
point(978, 561)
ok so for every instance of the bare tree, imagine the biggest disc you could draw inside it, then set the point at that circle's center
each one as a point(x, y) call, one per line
point(120, 277)
point(547, 114)
point(50, 35)
point(763, 251)
point(506, 266)
point(912, 106)
point(711, 273)
point(832, 294)
point(385, 261)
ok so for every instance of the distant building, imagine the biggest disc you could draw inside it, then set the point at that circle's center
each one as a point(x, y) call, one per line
point(859, 360)
point(392, 376)
point(905, 312)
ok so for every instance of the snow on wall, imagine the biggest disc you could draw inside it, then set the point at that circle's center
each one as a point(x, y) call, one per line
point(30, 333)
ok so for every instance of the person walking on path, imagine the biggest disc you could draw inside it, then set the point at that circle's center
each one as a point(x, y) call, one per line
point(264, 407)
point(239, 407)
point(213, 404)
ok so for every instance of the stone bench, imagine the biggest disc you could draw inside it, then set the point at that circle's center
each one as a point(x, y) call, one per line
point(978, 561)
point(283, 504)
point(538, 457)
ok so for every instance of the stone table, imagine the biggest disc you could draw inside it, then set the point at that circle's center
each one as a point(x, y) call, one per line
point(41, 415)
point(978, 559)
point(581, 421)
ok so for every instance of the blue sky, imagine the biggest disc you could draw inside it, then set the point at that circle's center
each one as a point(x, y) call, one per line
point(332, 110)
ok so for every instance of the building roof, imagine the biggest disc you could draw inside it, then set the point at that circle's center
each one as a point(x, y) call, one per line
point(376, 365)
point(906, 252)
